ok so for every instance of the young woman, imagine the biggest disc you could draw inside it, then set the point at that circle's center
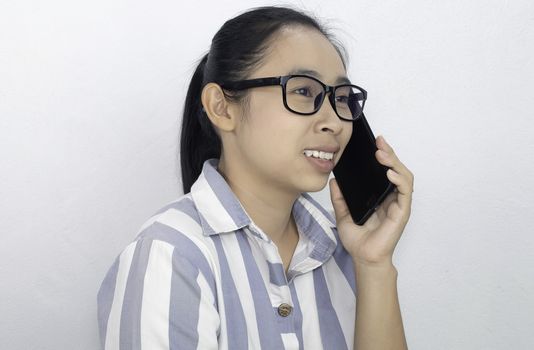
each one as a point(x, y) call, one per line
point(246, 259)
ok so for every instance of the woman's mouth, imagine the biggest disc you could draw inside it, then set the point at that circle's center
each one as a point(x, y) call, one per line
point(322, 161)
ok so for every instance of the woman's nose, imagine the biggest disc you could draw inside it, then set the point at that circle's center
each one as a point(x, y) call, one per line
point(329, 118)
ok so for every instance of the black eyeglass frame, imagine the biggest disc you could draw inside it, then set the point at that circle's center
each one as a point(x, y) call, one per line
point(282, 81)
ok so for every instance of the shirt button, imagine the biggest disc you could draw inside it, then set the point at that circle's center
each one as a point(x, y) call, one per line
point(284, 309)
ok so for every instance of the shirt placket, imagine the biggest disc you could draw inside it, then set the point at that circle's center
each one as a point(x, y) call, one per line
point(278, 288)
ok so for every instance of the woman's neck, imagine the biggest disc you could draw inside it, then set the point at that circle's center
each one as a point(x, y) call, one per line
point(270, 208)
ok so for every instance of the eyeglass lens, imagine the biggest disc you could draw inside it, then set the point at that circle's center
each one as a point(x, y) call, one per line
point(304, 95)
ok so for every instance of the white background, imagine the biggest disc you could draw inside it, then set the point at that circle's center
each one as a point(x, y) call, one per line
point(90, 100)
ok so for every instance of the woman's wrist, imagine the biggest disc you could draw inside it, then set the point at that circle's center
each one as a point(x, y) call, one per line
point(378, 318)
point(375, 270)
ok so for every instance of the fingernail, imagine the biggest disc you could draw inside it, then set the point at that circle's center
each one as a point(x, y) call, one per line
point(382, 153)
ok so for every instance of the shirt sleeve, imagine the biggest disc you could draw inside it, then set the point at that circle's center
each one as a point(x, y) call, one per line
point(154, 297)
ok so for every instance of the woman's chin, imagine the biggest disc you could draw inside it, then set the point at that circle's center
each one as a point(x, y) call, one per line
point(314, 185)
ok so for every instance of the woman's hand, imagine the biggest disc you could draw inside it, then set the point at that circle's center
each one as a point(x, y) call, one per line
point(373, 243)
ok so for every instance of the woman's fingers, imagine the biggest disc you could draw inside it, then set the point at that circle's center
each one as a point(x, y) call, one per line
point(398, 173)
point(404, 189)
point(390, 156)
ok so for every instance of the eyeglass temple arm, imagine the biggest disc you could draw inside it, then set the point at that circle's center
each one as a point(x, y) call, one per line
point(360, 96)
point(247, 84)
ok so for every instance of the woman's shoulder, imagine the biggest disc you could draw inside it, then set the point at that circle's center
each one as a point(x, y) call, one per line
point(176, 226)
point(179, 214)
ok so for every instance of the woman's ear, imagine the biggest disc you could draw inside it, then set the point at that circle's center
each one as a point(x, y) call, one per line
point(217, 107)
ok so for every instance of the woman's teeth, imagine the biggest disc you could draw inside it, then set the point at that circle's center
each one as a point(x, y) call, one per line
point(319, 154)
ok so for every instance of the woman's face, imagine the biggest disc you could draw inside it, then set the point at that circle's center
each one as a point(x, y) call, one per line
point(271, 141)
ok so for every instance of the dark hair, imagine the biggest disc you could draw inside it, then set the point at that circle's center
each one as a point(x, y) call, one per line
point(236, 49)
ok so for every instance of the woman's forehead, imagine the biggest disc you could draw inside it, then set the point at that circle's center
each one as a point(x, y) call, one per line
point(341, 79)
point(302, 49)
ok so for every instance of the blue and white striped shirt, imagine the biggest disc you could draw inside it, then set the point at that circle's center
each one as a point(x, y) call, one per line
point(202, 275)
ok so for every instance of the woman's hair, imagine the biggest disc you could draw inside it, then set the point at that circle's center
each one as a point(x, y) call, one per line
point(236, 49)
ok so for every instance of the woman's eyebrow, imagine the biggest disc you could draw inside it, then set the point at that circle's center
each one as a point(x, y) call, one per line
point(315, 74)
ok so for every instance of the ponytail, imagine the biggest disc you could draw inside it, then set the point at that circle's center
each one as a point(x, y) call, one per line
point(199, 141)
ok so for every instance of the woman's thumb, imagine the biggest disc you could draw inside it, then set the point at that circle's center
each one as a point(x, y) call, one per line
point(340, 206)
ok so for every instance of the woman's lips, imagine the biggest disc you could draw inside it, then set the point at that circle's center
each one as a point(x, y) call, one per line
point(322, 165)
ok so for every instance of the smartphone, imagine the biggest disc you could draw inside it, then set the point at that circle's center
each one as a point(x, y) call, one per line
point(361, 178)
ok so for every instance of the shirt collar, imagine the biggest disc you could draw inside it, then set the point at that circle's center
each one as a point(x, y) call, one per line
point(221, 211)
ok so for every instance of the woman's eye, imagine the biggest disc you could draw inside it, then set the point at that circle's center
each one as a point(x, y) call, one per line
point(342, 99)
point(303, 91)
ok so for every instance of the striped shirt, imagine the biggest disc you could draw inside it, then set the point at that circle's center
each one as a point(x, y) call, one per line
point(201, 275)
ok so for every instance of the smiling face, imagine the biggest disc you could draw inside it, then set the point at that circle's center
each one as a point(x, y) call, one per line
point(269, 144)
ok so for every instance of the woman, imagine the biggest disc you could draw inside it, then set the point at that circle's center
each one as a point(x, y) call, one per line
point(246, 259)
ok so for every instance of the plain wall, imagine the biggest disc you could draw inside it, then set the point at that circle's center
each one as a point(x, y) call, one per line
point(90, 101)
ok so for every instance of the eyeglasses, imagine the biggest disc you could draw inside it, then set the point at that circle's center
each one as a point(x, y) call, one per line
point(303, 94)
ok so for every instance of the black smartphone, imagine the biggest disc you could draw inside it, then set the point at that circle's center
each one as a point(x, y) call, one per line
point(361, 178)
